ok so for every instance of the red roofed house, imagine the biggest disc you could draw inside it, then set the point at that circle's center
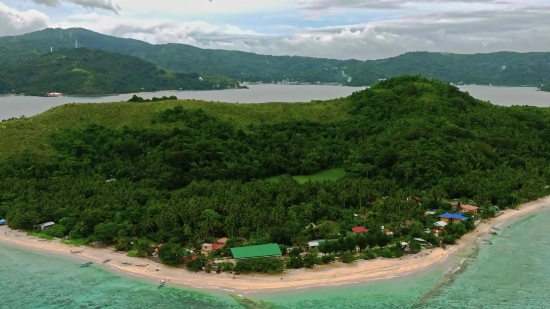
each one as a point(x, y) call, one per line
point(359, 229)
point(207, 247)
point(470, 208)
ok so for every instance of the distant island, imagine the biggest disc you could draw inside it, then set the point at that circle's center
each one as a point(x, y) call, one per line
point(86, 71)
point(500, 68)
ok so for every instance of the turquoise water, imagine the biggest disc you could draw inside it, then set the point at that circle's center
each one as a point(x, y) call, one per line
point(514, 272)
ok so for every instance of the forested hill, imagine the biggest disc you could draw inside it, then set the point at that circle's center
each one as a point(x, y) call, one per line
point(502, 68)
point(91, 71)
point(185, 171)
point(545, 87)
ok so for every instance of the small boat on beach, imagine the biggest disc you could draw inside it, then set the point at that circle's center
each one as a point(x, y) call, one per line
point(162, 283)
point(495, 228)
point(107, 260)
point(141, 265)
point(126, 263)
point(76, 251)
point(86, 264)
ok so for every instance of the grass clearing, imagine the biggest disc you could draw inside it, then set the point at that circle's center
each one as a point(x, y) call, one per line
point(40, 235)
point(330, 174)
point(132, 253)
point(78, 242)
point(30, 134)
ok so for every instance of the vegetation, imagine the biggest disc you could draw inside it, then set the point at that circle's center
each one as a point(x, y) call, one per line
point(190, 171)
point(329, 174)
point(88, 71)
point(502, 68)
point(545, 88)
point(135, 98)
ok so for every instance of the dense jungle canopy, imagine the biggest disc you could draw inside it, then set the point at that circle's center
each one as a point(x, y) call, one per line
point(187, 170)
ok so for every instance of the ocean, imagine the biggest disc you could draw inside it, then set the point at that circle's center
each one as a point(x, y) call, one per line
point(513, 272)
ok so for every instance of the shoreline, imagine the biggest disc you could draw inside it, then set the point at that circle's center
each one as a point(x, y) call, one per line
point(334, 274)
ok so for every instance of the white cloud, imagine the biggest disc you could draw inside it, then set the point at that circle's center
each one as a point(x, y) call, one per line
point(466, 26)
point(13, 22)
point(108, 5)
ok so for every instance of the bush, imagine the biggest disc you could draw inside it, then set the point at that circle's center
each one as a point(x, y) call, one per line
point(368, 255)
point(385, 252)
point(347, 257)
point(260, 265)
point(57, 230)
point(327, 259)
point(295, 262)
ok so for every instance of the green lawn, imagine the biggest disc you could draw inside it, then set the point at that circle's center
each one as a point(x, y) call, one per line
point(330, 174)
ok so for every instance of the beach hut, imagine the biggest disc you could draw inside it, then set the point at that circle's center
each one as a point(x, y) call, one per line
point(44, 226)
point(2, 222)
point(470, 208)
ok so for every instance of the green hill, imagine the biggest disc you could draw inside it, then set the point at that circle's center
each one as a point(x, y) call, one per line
point(90, 71)
point(502, 68)
point(189, 171)
point(545, 88)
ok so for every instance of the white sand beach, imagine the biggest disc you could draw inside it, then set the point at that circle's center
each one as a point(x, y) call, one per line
point(333, 274)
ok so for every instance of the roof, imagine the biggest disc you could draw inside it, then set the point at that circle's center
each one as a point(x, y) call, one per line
point(50, 223)
point(359, 229)
point(440, 223)
point(453, 216)
point(256, 251)
point(2, 222)
point(469, 207)
point(216, 246)
point(314, 243)
point(222, 240)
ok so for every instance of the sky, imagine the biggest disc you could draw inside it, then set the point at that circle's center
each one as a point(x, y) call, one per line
point(341, 29)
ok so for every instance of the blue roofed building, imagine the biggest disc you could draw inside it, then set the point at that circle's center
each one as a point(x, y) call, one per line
point(457, 217)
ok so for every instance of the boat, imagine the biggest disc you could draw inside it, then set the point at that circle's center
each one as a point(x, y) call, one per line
point(54, 94)
point(107, 260)
point(86, 264)
point(126, 263)
point(162, 283)
point(141, 265)
point(76, 251)
point(496, 228)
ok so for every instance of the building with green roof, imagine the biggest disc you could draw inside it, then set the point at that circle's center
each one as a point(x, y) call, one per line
point(256, 251)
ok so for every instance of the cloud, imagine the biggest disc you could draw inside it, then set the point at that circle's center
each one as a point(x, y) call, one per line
point(510, 27)
point(460, 26)
point(14, 22)
point(108, 5)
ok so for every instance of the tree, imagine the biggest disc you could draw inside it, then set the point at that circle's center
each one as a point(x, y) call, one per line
point(171, 254)
point(144, 248)
point(414, 246)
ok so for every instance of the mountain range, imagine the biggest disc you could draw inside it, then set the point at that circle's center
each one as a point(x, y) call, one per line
point(93, 71)
point(501, 68)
